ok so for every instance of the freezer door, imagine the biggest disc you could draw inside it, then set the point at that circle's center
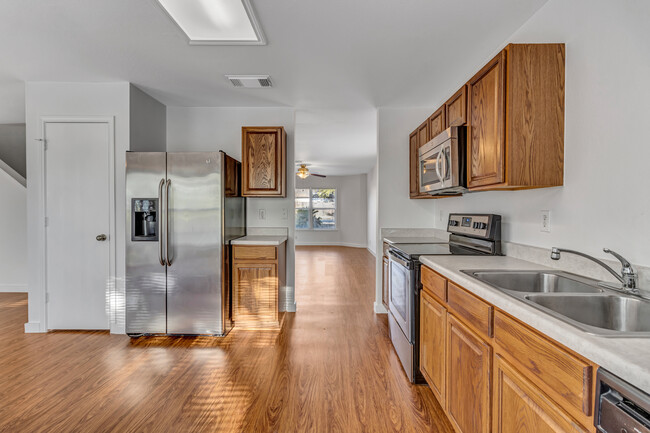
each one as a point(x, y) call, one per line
point(145, 275)
point(194, 243)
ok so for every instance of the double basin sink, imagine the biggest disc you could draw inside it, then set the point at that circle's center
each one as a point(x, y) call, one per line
point(576, 300)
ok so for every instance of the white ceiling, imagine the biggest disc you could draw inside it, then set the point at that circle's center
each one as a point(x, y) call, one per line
point(353, 55)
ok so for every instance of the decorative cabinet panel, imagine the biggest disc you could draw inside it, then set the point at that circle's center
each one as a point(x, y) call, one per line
point(433, 335)
point(413, 165)
point(456, 109)
point(516, 124)
point(521, 407)
point(486, 165)
point(264, 162)
point(437, 122)
point(468, 379)
point(256, 295)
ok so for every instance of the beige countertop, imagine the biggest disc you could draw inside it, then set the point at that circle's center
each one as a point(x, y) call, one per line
point(628, 358)
point(260, 240)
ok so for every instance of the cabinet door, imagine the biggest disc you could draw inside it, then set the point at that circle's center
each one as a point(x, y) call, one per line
point(263, 162)
point(437, 122)
point(255, 297)
point(433, 332)
point(520, 407)
point(486, 138)
point(456, 108)
point(384, 282)
point(413, 165)
point(468, 379)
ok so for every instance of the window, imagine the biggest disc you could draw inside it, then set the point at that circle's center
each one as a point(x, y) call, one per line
point(316, 208)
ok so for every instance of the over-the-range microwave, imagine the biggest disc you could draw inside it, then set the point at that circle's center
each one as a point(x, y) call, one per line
point(443, 163)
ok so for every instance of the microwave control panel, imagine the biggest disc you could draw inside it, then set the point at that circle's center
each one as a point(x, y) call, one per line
point(485, 226)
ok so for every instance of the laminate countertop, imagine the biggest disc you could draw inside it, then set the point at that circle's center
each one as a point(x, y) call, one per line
point(259, 240)
point(414, 240)
point(628, 358)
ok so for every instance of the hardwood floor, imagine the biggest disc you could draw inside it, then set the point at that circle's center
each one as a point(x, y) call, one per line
point(330, 369)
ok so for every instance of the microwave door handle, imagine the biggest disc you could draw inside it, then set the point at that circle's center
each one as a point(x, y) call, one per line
point(444, 164)
point(438, 168)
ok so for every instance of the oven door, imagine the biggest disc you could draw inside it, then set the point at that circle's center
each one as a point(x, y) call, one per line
point(401, 294)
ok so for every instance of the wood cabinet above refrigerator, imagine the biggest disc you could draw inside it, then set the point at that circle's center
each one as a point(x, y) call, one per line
point(264, 161)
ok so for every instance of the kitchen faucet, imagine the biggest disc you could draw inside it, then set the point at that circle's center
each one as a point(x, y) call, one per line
point(628, 276)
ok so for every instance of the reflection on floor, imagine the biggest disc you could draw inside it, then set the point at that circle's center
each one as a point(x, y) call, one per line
point(331, 368)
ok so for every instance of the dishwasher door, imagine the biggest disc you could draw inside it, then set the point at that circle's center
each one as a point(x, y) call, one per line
point(620, 407)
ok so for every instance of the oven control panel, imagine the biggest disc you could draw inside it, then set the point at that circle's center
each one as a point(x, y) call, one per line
point(484, 226)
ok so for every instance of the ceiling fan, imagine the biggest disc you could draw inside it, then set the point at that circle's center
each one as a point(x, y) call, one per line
point(303, 171)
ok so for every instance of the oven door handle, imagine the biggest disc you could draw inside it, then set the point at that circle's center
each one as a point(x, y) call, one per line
point(397, 259)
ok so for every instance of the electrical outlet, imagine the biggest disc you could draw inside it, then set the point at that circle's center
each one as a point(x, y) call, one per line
point(285, 213)
point(545, 221)
point(262, 214)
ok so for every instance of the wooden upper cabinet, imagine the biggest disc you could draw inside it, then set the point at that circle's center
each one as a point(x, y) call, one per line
point(456, 109)
point(423, 133)
point(413, 165)
point(486, 136)
point(264, 164)
point(437, 122)
point(468, 379)
point(519, 406)
point(433, 335)
point(515, 110)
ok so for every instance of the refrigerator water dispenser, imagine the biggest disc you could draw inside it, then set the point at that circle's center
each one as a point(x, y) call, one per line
point(144, 219)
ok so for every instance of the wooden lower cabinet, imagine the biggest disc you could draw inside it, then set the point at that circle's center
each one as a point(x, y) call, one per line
point(433, 335)
point(468, 379)
point(492, 373)
point(258, 272)
point(521, 407)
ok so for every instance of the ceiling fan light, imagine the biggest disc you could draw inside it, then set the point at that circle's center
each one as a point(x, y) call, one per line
point(303, 172)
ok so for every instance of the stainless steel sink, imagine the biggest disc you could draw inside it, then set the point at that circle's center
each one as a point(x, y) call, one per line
point(622, 314)
point(576, 300)
point(535, 281)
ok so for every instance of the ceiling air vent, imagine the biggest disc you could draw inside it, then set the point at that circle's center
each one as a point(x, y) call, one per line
point(250, 81)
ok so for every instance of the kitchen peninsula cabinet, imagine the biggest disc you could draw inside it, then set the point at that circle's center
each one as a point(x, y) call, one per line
point(492, 373)
point(264, 162)
point(258, 272)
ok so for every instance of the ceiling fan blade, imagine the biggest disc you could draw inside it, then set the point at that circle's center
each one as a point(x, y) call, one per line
point(317, 175)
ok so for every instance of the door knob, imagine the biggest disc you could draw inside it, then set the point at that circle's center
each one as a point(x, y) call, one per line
point(101, 237)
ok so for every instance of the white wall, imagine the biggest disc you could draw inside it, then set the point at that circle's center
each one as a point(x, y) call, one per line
point(13, 234)
point(73, 100)
point(12, 95)
point(212, 129)
point(604, 201)
point(148, 122)
point(371, 209)
point(351, 212)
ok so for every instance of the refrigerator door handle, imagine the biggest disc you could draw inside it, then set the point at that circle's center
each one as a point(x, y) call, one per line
point(160, 224)
point(169, 261)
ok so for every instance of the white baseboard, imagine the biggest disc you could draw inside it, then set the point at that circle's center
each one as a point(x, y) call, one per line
point(371, 252)
point(33, 328)
point(380, 309)
point(329, 244)
point(18, 288)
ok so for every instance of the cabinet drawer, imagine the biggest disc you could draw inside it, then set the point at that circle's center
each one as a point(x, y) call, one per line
point(433, 283)
point(256, 252)
point(470, 309)
point(565, 377)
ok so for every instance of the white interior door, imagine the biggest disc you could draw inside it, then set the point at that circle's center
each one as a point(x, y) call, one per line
point(77, 204)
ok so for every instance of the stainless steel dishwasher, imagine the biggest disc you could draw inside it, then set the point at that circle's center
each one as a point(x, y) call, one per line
point(620, 407)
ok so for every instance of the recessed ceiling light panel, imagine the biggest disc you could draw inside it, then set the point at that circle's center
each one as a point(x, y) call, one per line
point(215, 22)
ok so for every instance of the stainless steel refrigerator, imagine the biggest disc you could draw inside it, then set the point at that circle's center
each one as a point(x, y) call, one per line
point(182, 211)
